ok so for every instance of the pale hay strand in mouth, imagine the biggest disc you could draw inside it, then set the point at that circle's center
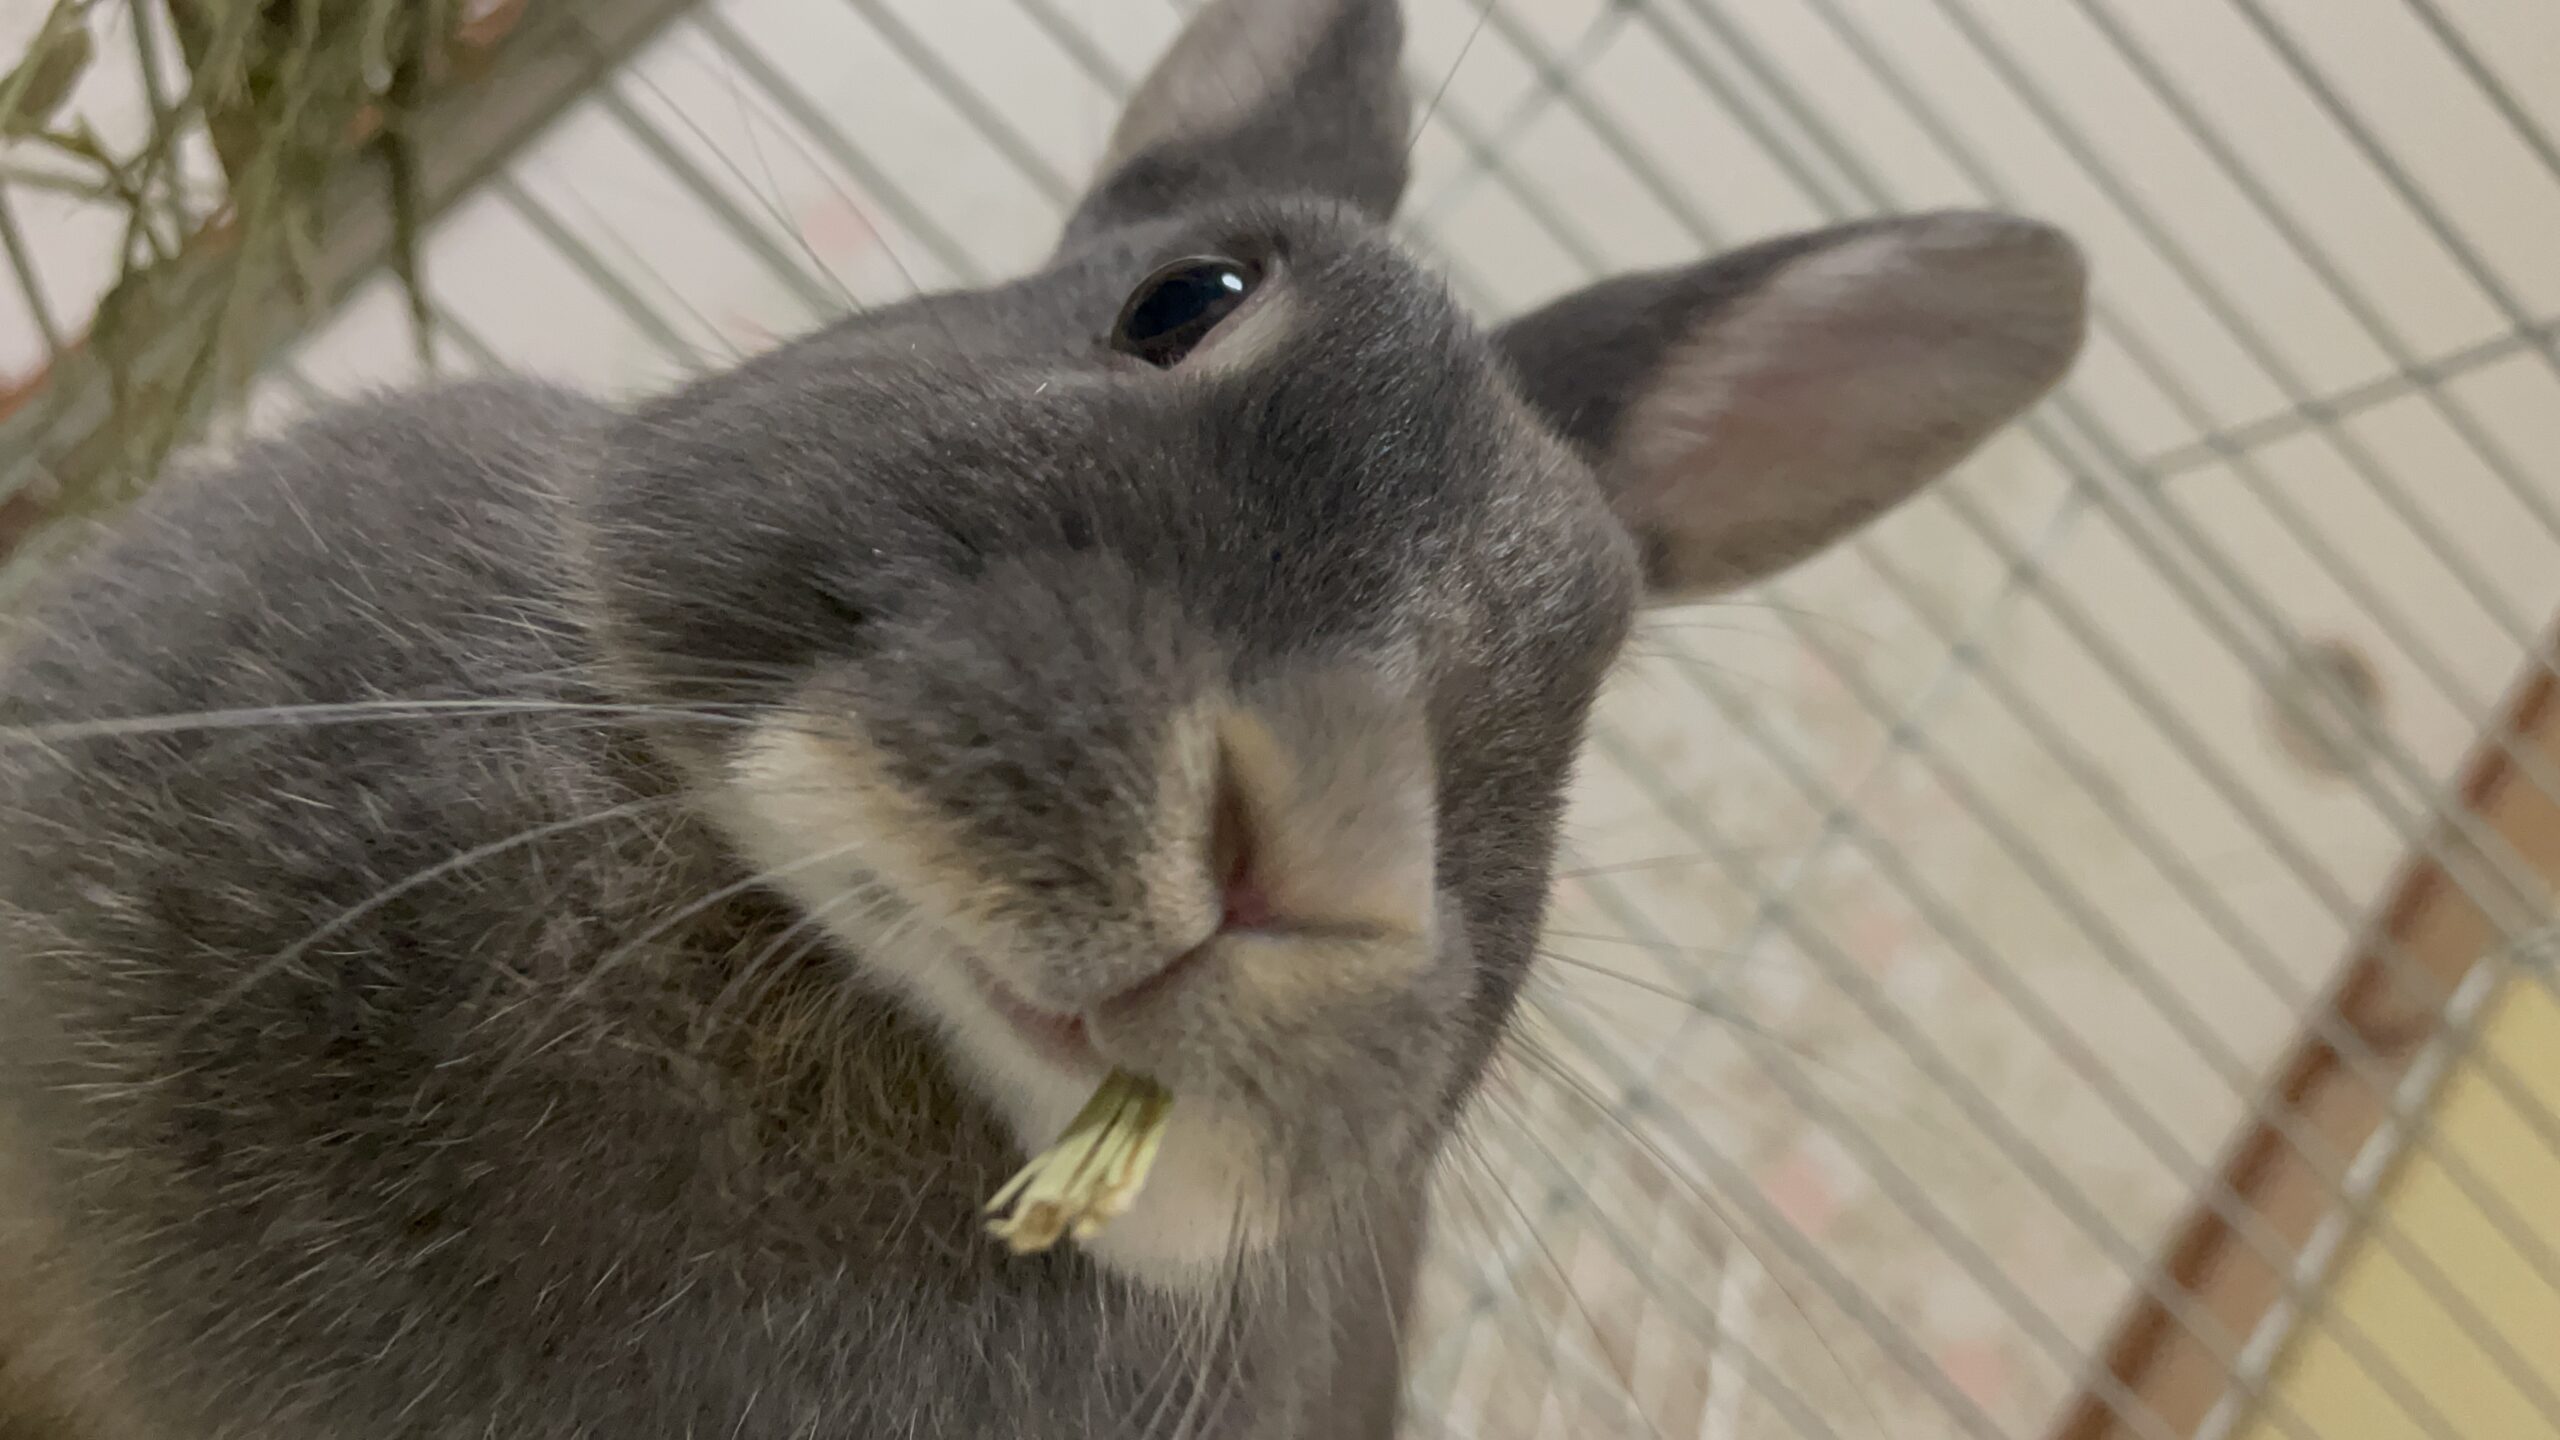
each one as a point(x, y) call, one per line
point(1092, 1175)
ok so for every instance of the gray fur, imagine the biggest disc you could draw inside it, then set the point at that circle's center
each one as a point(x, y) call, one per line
point(1263, 96)
point(443, 1072)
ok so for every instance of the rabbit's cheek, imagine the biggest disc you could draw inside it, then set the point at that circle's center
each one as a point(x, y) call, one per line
point(808, 802)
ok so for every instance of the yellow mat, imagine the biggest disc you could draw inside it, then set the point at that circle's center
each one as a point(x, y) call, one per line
point(2330, 1390)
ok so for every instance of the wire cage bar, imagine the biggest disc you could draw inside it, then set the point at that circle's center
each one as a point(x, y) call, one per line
point(2004, 965)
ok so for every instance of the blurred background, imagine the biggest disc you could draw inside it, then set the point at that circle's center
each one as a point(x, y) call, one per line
point(2069, 964)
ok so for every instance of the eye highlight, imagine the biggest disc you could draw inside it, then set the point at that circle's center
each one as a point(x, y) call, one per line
point(1175, 308)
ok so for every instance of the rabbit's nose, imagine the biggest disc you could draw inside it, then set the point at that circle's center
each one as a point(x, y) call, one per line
point(1236, 864)
point(1315, 822)
point(1323, 814)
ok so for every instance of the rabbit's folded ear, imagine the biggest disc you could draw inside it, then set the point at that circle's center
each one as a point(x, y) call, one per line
point(1745, 412)
point(1262, 97)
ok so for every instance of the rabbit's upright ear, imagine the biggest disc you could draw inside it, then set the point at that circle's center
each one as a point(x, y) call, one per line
point(1262, 97)
point(1745, 412)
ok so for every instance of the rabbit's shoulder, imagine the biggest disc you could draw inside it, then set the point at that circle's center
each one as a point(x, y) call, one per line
point(251, 627)
point(286, 682)
point(360, 550)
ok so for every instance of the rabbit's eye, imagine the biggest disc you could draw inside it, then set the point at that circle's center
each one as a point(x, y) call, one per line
point(1175, 308)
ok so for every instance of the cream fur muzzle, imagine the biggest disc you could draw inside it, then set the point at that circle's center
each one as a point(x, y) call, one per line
point(1338, 788)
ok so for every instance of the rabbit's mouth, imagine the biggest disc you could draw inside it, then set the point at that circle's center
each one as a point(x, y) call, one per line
point(1062, 1040)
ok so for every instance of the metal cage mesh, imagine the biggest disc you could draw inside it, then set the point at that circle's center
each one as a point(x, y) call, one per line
point(1937, 913)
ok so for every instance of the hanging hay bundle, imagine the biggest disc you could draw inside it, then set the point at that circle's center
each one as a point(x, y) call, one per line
point(268, 106)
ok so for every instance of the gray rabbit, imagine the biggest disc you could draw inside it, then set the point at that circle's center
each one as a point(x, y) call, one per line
point(527, 919)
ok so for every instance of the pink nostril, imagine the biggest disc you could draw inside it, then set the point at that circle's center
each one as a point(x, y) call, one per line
point(1234, 858)
point(1247, 907)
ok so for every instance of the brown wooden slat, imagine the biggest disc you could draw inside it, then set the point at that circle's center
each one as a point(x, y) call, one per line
point(2442, 932)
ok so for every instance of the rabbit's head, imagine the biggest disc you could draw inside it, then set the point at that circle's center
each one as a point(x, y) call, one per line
point(1175, 659)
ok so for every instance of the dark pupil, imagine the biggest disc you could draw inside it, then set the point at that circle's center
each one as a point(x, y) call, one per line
point(1175, 308)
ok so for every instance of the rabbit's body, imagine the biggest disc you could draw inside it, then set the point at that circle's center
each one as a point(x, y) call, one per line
point(663, 1207)
point(528, 919)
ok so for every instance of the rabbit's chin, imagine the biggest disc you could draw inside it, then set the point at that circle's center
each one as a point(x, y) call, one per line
point(1208, 1205)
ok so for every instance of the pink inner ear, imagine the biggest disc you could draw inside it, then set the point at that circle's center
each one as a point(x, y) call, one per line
point(1826, 400)
point(1760, 429)
point(1847, 380)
